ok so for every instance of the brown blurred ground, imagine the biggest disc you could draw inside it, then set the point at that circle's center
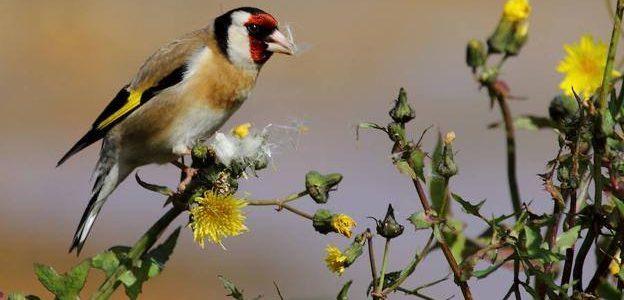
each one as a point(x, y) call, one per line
point(61, 61)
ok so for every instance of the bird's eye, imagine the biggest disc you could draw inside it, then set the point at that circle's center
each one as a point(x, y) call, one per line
point(253, 29)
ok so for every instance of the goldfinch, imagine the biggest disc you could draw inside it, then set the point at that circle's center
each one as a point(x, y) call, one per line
point(182, 94)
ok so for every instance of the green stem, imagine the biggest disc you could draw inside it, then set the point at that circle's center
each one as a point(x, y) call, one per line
point(141, 246)
point(384, 264)
point(511, 155)
point(411, 267)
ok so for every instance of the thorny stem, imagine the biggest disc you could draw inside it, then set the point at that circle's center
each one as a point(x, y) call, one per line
point(384, 264)
point(599, 144)
point(445, 248)
point(147, 240)
point(567, 267)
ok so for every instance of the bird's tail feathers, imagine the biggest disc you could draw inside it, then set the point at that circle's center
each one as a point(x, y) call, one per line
point(108, 175)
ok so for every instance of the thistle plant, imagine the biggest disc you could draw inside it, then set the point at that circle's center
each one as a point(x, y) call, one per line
point(546, 251)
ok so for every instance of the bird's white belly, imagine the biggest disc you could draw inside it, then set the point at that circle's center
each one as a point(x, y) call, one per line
point(197, 123)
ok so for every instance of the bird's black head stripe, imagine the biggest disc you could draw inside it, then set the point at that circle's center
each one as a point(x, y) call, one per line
point(223, 22)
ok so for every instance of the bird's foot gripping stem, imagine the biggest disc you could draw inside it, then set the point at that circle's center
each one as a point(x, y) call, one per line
point(187, 175)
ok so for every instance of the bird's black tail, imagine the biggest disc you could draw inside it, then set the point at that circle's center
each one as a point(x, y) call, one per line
point(91, 137)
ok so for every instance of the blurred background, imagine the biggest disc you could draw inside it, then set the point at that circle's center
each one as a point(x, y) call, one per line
point(62, 61)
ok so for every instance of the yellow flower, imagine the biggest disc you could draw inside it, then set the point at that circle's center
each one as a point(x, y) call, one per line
point(217, 216)
point(242, 130)
point(335, 260)
point(517, 10)
point(583, 66)
point(343, 224)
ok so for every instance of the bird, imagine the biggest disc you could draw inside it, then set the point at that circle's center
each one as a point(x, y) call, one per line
point(183, 93)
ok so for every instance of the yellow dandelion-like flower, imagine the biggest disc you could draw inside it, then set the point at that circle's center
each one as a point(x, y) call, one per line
point(216, 217)
point(343, 224)
point(517, 10)
point(583, 66)
point(335, 260)
point(242, 130)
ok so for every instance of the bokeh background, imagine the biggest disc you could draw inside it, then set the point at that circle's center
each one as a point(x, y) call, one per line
point(61, 61)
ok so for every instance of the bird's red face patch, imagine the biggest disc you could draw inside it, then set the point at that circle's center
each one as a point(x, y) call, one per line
point(260, 26)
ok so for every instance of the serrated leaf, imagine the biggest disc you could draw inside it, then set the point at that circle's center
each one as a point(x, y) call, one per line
point(231, 288)
point(468, 207)
point(64, 286)
point(533, 240)
point(344, 292)
point(568, 238)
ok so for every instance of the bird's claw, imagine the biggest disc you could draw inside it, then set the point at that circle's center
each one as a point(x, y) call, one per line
point(189, 173)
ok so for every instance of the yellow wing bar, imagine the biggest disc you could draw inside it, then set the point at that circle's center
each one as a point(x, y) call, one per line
point(134, 100)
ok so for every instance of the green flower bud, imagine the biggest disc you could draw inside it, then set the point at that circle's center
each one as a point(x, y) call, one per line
point(396, 132)
point(509, 37)
point(564, 110)
point(318, 186)
point(447, 167)
point(402, 112)
point(322, 221)
point(475, 54)
point(389, 227)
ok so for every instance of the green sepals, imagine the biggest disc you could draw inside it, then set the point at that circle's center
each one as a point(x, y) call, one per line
point(344, 291)
point(519, 38)
point(389, 227)
point(64, 286)
point(476, 54)
point(354, 251)
point(396, 132)
point(231, 288)
point(564, 111)
point(202, 156)
point(318, 186)
point(322, 221)
point(416, 161)
point(446, 166)
point(402, 112)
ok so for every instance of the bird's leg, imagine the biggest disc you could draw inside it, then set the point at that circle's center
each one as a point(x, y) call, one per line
point(188, 174)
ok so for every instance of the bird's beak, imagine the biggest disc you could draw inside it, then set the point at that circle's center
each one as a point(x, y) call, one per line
point(278, 43)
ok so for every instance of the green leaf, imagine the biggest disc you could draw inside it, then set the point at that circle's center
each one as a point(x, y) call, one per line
point(344, 292)
point(64, 286)
point(489, 270)
point(367, 125)
point(437, 157)
point(149, 266)
point(468, 207)
point(231, 288)
point(620, 206)
point(163, 190)
point(608, 292)
point(416, 161)
point(567, 239)
point(437, 193)
point(404, 168)
point(421, 220)
point(533, 240)
point(106, 261)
